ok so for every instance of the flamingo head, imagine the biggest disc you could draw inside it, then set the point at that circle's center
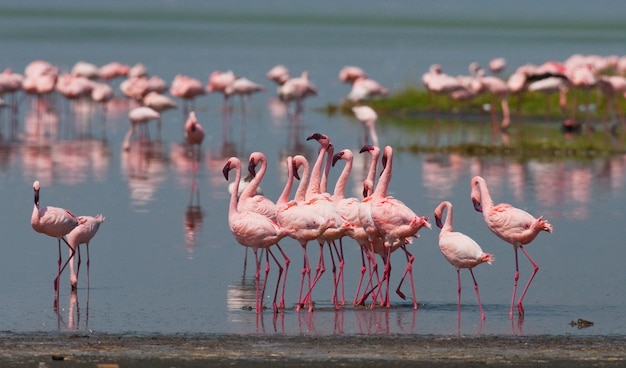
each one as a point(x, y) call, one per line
point(477, 206)
point(227, 169)
point(320, 138)
point(252, 166)
point(366, 148)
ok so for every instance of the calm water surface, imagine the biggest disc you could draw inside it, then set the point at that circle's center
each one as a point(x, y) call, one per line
point(164, 260)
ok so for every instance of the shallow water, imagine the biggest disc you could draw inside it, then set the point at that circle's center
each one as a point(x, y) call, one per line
point(164, 260)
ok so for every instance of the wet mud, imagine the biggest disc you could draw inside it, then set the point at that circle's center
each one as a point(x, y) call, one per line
point(109, 351)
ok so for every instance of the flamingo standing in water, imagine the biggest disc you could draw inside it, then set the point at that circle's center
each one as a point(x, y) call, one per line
point(55, 222)
point(256, 231)
point(395, 224)
point(511, 224)
point(250, 200)
point(188, 89)
point(368, 117)
point(460, 250)
point(139, 116)
point(82, 234)
point(299, 216)
point(194, 134)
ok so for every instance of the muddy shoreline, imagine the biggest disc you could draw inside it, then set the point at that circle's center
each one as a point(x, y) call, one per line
point(75, 350)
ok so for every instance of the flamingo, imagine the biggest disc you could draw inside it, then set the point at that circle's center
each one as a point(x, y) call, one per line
point(113, 70)
point(159, 103)
point(497, 65)
point(251, 200)
point(188, 89)
point(349, 73)
point(297, 89)
point(55, 222)
point(278, 74)
point(139, 116)
point(298, 215)
point(256, 231)
point(218, 81)
point(460, 250)
point(194, 133)
point(394, 222)
point(368, 117)
point(364, 88)
point(82, 234)
point(243, 87)
point(513, 225)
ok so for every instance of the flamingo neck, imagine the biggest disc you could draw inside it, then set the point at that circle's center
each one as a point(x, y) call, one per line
point(301, 192)
point(316, 174)
point(284, 195)
point(329, 157)
point(232, 206)
point(340, 186)
point(385, 177)
point(371, 174)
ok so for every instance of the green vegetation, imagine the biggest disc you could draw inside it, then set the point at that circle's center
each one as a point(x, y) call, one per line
point(436, 123)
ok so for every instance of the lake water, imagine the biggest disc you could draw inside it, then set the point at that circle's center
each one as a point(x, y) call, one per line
point(164, 261)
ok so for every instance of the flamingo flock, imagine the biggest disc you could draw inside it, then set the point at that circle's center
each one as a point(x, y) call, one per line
point(379, 223)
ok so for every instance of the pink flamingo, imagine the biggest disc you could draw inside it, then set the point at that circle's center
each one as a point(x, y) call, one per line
point(159, 102)
point(395, 223)
point(364, 88)
point(256, 231)
point(497, 65)
point(82, 234)
point(349, 73)
point(194, 134)
point(55, 222)
point(297, 89)
point(243, 87)
point(112, 70)
point(297, 215)
point(460, 250)
point(187, 89)
point(250, 200)
point(278, 74)
point(323, 202)
point(139, 116)
point(511, 224)
point(218, 81)
point(368, 117)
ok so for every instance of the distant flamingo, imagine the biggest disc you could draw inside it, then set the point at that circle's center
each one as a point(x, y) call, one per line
point(194, 134)
point(368, 117)
point(511, 224)
point(112, 70)
point(364, 88)
point(256, 231)
point(82, 234)
point(349, 73)
point(187, 89)
point(460, 250)
point(243, 87)
point(497, 65)
point(218, 81)
point(55, 222)
point(297, 89)
point(278, 74)
point(139, 116)
point(159, 103)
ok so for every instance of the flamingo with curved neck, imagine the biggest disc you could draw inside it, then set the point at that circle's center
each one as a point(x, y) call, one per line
point(255, 231)
point(513, 225)
point(460, 250)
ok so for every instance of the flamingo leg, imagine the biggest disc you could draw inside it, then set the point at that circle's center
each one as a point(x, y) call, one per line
point(257, 277)
point(363, 270)
point(281, 305)
point(319, 270)
point(480, 304)
point(280, 273)
point(409, 270)
point(341, 264)
point(520, 308)
point(88, 261)
point(458, 291)
point(515, 279)
point(72, 251)
point(306, 270)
